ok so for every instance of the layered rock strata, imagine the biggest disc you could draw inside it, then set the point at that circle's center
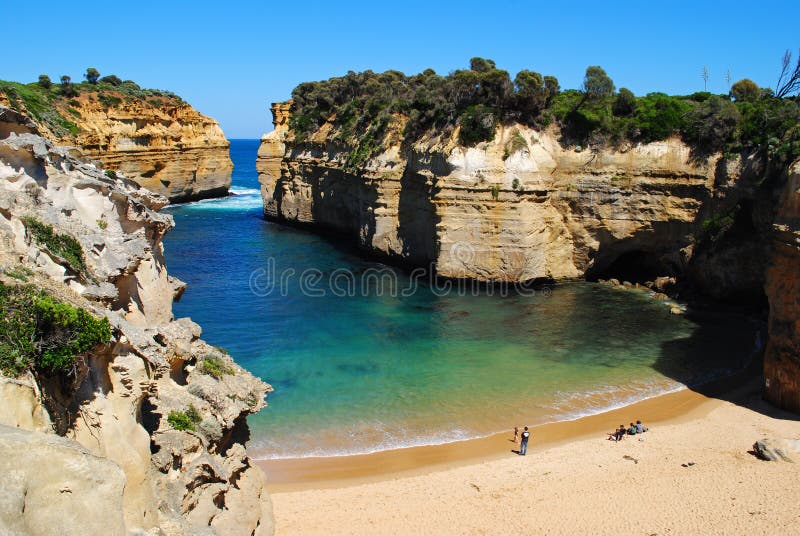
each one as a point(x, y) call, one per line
point(518, 208)
point(104, 435)
point(160, 142)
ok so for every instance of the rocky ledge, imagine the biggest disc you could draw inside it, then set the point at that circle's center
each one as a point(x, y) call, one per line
point(146, 434)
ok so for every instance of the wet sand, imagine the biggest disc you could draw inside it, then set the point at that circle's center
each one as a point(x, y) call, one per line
point(337, 471)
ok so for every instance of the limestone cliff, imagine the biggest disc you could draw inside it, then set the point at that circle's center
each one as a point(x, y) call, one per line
point(155, 139)
point(518, 208)
point(124, 459)
point(782, 359)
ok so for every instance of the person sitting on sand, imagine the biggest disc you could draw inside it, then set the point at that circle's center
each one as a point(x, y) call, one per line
point(632, 429)
point(640, 429)
point(617, 434)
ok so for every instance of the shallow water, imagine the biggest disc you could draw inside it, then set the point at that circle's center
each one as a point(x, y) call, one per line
point(374, 370)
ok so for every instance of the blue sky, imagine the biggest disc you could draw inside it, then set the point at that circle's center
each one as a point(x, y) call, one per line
point(231, 59)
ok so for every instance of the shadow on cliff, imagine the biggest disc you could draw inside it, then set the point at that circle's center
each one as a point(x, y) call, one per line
point(734, 345)
point(416, 215)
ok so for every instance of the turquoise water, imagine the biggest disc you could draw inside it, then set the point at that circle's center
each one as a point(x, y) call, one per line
point(373, 371)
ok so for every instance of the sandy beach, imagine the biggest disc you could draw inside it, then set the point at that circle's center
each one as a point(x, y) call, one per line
point(690, 474)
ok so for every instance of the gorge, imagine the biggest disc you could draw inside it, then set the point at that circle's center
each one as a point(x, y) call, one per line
point(528, 205)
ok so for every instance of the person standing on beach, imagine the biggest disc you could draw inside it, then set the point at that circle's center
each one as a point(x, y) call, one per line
point(516, 434)
point(523, 444)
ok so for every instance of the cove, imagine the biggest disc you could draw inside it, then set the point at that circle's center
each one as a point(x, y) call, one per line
point(375, 371)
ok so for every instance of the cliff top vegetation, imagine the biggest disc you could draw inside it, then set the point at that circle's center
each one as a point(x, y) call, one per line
point(55, 104)
point(360, 106)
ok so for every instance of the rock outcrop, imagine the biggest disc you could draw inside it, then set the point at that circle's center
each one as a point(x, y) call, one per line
point(518, 208)
point(782, 359)
point(159, 141)
point(153, 423)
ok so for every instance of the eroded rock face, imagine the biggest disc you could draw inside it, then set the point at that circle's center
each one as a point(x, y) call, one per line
point(161, 143)
point(117, 406)
point(51, 485)
point(782, 359)
point(517, 208)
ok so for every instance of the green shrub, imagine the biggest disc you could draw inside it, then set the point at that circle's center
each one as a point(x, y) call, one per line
point(659, 116)
point(109, 101)
point(112, 80)
point(111, 174)
point(495, 190)
point(515, 143)
point(515, 183)
point(712, 125)
point(215, 366)
point(61, 245)
point(624, 103)
point(478, 123)
point(40, 333)
point(180, 421)
point(745, 90)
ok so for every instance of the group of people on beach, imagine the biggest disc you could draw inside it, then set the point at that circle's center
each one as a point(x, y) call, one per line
point(621, 432)
point(616, 435)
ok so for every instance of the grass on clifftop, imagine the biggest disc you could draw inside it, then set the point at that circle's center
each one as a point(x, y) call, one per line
point(38, 332)
point(55, 106)
point(361, 106)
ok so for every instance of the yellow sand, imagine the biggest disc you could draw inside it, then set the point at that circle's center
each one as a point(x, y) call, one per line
point(584, 485)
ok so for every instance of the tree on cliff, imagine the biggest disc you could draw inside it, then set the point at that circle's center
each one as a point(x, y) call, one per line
point(625, 103)
point(745, 90)
point(597, 84)
point(67, 89)
point(531, 94)
point(92, 75)
point(45, 81)
point(481, 65)
point(112, 79)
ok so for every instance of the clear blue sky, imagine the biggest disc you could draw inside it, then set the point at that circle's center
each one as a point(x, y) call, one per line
point(231, 59)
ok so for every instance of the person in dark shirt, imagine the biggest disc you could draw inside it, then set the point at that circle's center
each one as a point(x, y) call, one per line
point(523, 445)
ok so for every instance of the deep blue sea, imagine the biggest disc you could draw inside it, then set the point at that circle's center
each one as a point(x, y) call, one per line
point(368, 370)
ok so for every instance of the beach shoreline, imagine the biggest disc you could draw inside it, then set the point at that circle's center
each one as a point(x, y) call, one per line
point(296, 474)
point(692, 473)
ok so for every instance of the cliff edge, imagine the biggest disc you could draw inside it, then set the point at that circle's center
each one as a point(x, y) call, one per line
point(152, 137)
point(144, 432)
